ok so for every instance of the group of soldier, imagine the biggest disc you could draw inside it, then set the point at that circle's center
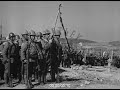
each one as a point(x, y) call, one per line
point(38, 54)
point(34, 55)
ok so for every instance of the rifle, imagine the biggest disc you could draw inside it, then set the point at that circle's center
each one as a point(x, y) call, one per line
point(22, 72)
point(28, 82)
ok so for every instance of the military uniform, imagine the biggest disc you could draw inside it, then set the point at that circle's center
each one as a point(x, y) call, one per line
point(45, 63)
point(24, 57)
point(9, 59)
point(23, 54)
point(31, 49)
point(55, 55)
point(42, 61)
point(46, 52)
point(18, 61)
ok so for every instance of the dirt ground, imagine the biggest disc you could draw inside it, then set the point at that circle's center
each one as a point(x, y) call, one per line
point(81, 77)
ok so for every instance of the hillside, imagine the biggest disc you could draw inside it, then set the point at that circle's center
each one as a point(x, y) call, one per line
point(115, 43)
point(78, 40)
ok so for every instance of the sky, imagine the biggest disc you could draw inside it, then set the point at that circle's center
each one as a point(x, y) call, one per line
point(94, 20)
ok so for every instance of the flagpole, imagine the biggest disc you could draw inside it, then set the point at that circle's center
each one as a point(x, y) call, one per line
point(1, 30)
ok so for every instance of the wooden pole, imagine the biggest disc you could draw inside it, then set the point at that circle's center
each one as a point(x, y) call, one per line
point(1, 30)
point(63, 27)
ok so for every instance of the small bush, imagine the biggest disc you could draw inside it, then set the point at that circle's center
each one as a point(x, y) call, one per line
point(116, 61)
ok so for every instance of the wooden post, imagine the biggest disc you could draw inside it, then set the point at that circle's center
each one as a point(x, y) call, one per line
point(1, 31)
point(110, 61)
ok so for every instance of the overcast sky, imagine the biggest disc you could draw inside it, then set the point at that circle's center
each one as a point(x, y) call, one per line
point(95, 20)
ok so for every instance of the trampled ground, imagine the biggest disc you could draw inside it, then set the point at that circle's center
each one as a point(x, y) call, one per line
point(81, 77)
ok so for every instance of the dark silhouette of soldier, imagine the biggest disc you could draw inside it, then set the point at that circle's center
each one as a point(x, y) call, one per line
point(42, 62)
point(24, 53)
point(18, 60)
point(9, 59)
point(55, 55)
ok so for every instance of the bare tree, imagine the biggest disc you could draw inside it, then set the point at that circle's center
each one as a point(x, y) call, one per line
point(73, 33)
point(78, 36)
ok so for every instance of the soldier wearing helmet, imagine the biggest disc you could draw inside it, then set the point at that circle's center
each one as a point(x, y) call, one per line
point(57, 34)
point(23, 54)
point(56, 55)
point(44, 45)
point(46, 35)
point(41, 58)
point(39, 35)
point(33, 55)
point(39, 38)
point(9, 54)
point(12, 36)
point(25, 36)
point(17, 39)
point(32, 35)
point(18, 61)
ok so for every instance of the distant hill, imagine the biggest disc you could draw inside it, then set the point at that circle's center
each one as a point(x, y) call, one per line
point(115, 43)
point(77, 40)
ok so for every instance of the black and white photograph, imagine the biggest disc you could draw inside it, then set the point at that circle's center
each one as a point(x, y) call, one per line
point(59, 44)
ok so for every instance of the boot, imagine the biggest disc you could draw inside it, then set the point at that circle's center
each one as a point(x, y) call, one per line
point(11, 83)
point(23, 79)
point(44, 79)
point(30, 81)
point(39, 80)
point(28, 85)
point(57, 79)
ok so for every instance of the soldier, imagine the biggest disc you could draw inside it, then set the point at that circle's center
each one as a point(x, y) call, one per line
point(18, 61)
point(55, 55)
point(23, 55)
point(9, 57)
point(46, 59)
point(39, 36)
point(41, 70)
point(33, 50)
point(46, 35)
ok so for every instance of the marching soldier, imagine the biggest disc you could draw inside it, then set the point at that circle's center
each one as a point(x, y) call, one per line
point(9, 57)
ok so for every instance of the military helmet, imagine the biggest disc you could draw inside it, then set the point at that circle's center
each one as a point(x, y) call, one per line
point(32, 33)
point(46, 32)
point(11, 35)
point(57, 33)
point(39, 34)
point(17, 37)
point(25, 33)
